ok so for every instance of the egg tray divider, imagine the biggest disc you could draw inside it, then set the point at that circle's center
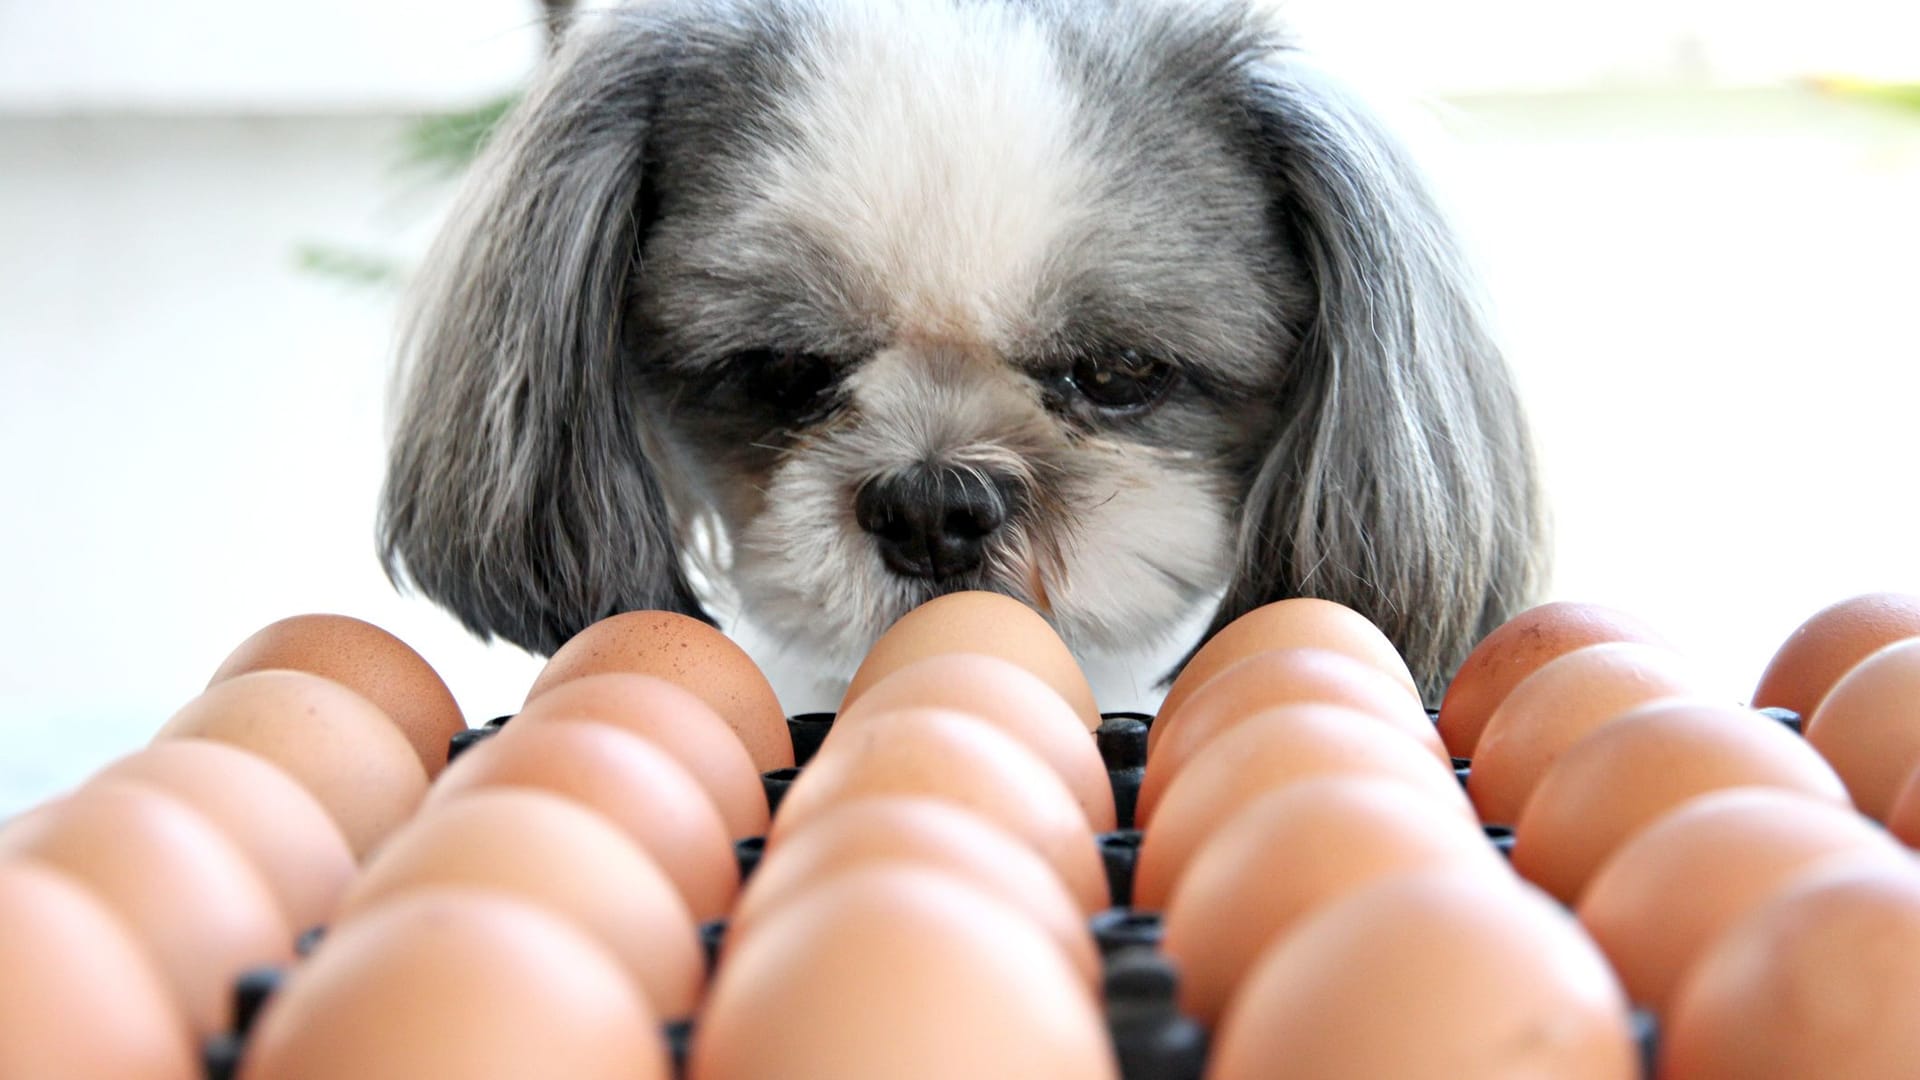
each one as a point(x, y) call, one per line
point(1152, 1038)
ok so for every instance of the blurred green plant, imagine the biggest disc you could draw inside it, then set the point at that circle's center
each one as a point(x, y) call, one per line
point(1904, 96)
point(438, 147)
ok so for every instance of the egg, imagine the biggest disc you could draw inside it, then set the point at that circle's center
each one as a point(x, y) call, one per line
point(691, 655)
point(634, 784)
point(1441, 975)
point(1903, 820)
point(1558, 705)
point(1289, 853)
point(203, 914)
point(81, 999)
point(978, 622)
point(924, 832)
point(1630, 771)
point(1266, 752)
point(278, 825)
point(675, 720)
point(960, 759)
point(367, 660)
point(1829, 643)
point(1299, 622)
point(1868, 726)
point(1821, 981)
point(1516, 649)
point(893, 971)
point(563, 857)
point(1010, 698)
point(1678, 884)
point(337, 744)
point(1271, 679)
point(457, 984)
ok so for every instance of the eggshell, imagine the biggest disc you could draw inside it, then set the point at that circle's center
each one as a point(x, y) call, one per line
point(1010, 698)
point(557, 854)
point(955, 757)
point(636, 785)
point(896, 971)
point(1271, 679)
point(1299, 622)
point(1516, 649)
point(1635, 768)
point(1288, 854)
point(978, 622)
point(675, 720)
point(1439, 975)
point(337, 744)
point(367, 660)
point(1823, 980)
point(80, 998)
point(906, 830)
point(691, 655)
point(1678, 884)
point(1868, 726)
point(1266, 752)
point(1829, 643)
point(1903, 821)
point(278, 825)
point(457, 984)
point(1557, 706)
point(189, 896)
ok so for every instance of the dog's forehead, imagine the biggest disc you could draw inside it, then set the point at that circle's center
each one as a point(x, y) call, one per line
point(934, 152)
point(950, 169)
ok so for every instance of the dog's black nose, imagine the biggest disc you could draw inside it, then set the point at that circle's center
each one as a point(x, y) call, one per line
point(933, 521)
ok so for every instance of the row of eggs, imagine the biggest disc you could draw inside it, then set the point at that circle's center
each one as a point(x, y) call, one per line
point(943, 833)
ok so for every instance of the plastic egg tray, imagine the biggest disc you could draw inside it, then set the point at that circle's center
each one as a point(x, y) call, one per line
point(1152, 1038)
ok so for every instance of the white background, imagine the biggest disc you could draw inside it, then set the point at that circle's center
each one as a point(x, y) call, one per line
point(1707, 274)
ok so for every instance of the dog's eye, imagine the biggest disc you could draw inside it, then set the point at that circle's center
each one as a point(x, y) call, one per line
point(793, 382)
point(1123, 381)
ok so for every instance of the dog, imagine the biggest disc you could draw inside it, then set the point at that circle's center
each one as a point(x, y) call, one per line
point(1124, 308)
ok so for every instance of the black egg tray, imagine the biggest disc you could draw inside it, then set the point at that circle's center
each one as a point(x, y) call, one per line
point(1152, 1039)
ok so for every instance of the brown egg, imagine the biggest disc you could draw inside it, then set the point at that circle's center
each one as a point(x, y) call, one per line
point(958, 758)
point(1266, 752)
point(1516, 649)
point(1440, 975)
point(675, 720)
point(1868, 726)
point(1557, 706)
point(1821, 981)
point(636, 785)
point(917, 831)
point(184, 890)
point(457, 984)
point(81, 999)
point(557, 854)
point(277, 824)
point(1010, 698)
point(1663, 899)
point(337, 744)
point(1289, 853)
point(1828, 644)
point(691, 655)
point(1903, 821)
point(1300, 622)
point(893, 971)
point(1268, 680)
point(978, 622)
point(367, 660)
point(1638, 766)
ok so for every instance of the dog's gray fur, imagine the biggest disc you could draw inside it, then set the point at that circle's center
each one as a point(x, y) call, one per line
point(953, 202)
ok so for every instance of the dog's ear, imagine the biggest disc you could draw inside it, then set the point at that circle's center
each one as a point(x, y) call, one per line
point(1398, 480)
point(519, 491)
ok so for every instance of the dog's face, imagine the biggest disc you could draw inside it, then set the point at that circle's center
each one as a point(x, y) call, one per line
point(1111, 307)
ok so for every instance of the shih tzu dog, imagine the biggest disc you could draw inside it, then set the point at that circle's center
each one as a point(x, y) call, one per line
point(1120, 307)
